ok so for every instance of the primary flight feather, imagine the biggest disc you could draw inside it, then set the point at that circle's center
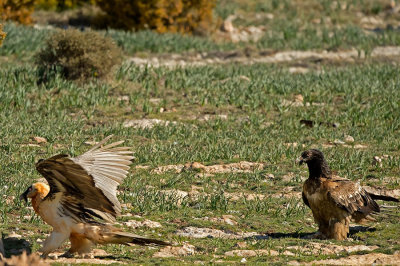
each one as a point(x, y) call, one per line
point(81, 196)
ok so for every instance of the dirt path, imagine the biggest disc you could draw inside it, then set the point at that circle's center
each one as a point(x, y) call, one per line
point(201, 59)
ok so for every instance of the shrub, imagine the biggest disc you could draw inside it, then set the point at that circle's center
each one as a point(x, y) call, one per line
point(61, 4)
point(78, 55)
point(2, 34)
point(17, 10)
point(183, 16)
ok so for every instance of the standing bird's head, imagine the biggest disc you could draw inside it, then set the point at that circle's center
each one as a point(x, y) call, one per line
point(316, 163)
point(311, 156)
point(36, 189)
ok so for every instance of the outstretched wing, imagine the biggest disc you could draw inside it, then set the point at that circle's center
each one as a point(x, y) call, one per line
point(88, 183)
point(351, 197)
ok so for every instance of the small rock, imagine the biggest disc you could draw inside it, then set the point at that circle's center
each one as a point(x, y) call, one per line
point(39, 140)
point(30, 145)
point(15, 235)
point(166, 168)
point(197, 165)
point(10, 200)
point(288, 253)
point(243, 260)
point(99, 252)
point(229, 219)
point(178, 195)
point(241, 244)
point(242, 77)
point(155, 100)
point(348, 139)
point(227, 26)
point(146, 123)
point(269, 176)
point(289, 177)
point(298, 70)
point(196, 232)
point(298, 98)
point(203, 175)
point(339, 142)
point(145, 223)
point(170, 251)
point(377, 161)
point(360, 146)
point(124, 98)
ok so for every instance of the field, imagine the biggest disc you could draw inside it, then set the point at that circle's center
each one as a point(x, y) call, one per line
point(215, 127)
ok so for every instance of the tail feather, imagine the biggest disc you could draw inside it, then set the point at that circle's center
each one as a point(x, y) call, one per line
point(128, 238)
point(381, 194)
point(383, 197)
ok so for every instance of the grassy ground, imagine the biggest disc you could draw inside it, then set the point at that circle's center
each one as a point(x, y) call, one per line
point(249, 120)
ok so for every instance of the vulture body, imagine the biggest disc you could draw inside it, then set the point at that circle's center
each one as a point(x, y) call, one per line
point(335, 201)
point(81, 198)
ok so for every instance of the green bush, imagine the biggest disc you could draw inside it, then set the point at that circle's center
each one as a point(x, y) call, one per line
point(78, 55)
point(183, 16)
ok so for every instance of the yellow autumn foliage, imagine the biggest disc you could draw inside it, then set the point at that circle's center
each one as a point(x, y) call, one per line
point(17, 10)
point(183, 16)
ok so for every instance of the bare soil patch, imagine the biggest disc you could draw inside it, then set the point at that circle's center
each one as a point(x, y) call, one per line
point(367, 259)
point(167, 252)
point(241, 167)
point(201, 59)
point(197, 232)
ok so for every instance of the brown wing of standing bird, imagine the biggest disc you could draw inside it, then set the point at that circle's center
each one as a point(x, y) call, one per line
point(335, 201)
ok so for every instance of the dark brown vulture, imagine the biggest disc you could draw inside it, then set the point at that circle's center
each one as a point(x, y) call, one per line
point(335, 201)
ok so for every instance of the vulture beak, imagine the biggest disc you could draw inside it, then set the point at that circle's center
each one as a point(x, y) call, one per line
point(300, 160)
point(24, 196)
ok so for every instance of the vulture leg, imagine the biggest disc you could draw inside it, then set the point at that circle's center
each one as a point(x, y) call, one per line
point(80, 244)
point(338, 229)
point(53, 242)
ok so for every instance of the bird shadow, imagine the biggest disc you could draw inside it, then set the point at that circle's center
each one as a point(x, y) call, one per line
point(111, 257)
point(359, 229)
point(353, 231)
point(16, 246)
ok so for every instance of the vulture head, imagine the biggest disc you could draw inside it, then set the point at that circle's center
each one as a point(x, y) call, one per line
point(311, 156)
point(35, 189)
point(316, 163)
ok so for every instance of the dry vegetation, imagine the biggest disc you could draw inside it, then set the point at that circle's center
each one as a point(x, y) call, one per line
point(77, 55)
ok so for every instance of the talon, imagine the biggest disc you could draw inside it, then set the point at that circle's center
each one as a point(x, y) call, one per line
point(67, 255)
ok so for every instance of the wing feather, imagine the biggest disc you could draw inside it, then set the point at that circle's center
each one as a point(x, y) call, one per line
point(350, 196)
point(89, 182)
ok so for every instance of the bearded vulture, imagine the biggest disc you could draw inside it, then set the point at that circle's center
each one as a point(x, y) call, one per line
point(335, 201)
point(81, 197)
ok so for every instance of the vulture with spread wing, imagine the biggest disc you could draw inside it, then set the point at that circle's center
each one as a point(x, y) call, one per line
point(335, 201)
point(81, 197)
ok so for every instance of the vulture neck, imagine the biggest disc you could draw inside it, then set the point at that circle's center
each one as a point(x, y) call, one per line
point(43, 190)
point(36, 202)
point(318, 168)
